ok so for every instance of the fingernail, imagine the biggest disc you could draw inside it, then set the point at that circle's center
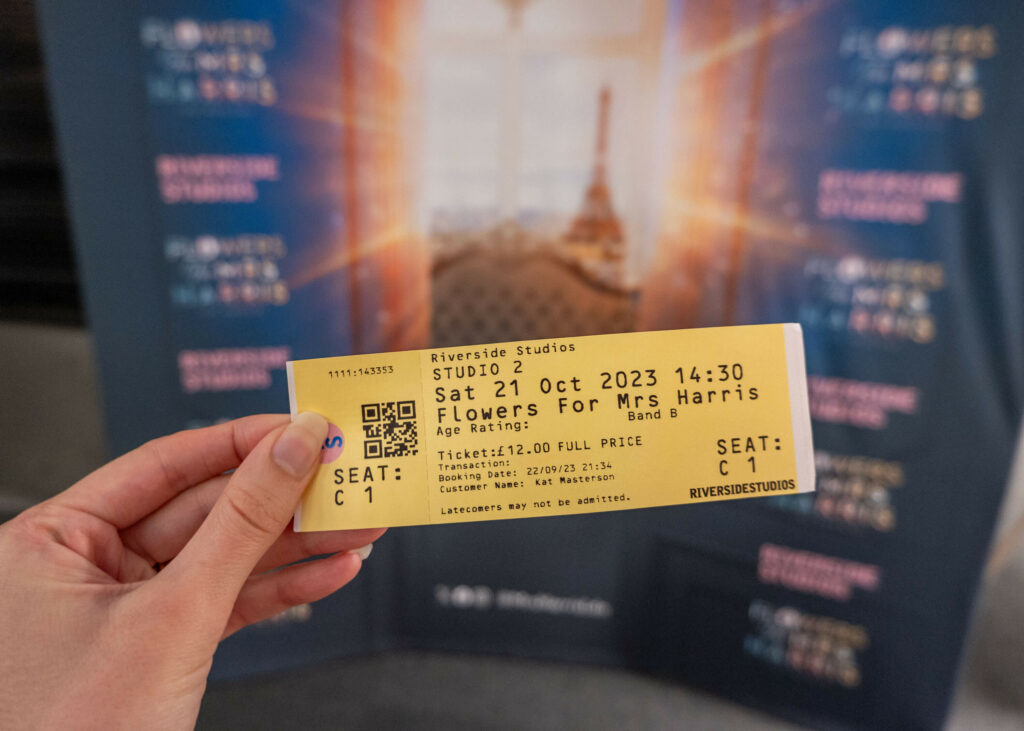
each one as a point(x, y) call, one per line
point(364, 552)
point(299, 444)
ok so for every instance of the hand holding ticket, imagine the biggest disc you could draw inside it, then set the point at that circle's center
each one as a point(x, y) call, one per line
point(554, 427)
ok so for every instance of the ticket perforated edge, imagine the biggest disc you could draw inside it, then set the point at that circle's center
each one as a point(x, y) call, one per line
point(557, 426)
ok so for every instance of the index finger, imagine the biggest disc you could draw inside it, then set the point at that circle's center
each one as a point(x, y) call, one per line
point(133, 486)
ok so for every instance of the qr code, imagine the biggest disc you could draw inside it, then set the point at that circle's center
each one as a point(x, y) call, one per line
point(390, 430)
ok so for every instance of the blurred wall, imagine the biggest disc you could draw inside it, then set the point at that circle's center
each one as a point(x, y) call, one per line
point(37, 274)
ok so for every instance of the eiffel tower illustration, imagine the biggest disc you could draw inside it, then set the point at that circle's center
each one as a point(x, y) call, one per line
point(595, 232)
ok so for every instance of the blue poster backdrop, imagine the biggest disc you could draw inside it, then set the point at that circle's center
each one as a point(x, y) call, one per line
point(253, 182)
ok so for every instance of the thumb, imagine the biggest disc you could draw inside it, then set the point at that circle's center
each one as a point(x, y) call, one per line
point(253, 510)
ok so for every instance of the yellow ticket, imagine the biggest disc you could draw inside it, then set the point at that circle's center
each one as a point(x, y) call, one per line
point(554, 427)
